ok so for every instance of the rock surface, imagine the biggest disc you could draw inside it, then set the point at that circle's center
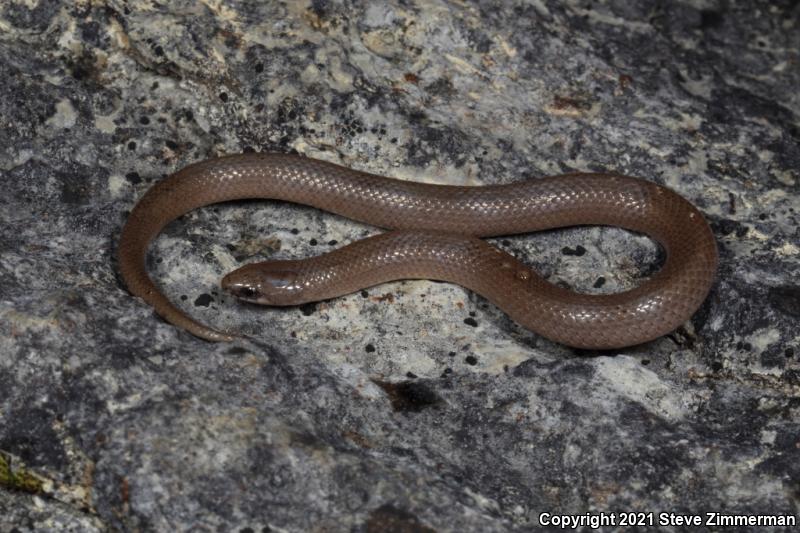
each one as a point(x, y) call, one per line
point(412, 406)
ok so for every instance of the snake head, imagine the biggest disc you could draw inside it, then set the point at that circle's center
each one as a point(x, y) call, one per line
point(267, 283)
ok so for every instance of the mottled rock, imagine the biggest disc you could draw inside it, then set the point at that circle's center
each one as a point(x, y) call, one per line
point(412, 406)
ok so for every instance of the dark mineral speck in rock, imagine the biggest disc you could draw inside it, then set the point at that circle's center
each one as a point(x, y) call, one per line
point(727, 226)
point(599, 282)
point(471, 322)
point(308, 309)
point(471, 360)
point(203, 300)
point(369, 348)
point(577, 251)
point(409, 396)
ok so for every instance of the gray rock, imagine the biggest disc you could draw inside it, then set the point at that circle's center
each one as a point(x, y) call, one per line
point(412, 406)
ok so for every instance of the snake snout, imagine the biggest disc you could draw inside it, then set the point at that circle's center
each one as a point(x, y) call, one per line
point(262, 283)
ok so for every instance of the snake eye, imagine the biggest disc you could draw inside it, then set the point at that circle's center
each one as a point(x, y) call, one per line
point(248, 292)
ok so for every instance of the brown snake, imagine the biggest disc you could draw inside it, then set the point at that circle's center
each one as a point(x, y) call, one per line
point(436, 236)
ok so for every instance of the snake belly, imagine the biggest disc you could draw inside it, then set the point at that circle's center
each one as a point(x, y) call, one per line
point(437, 236)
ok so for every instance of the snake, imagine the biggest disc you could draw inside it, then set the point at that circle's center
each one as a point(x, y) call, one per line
point(436, 232)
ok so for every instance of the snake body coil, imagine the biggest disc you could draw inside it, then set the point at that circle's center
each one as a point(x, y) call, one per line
point(437, 230)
